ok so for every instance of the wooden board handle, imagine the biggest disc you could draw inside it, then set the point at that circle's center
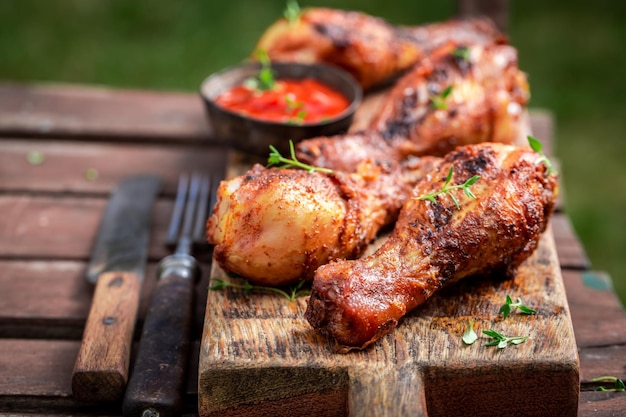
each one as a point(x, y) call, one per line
point(158, 376)
point(385, 392)
point(101, 369)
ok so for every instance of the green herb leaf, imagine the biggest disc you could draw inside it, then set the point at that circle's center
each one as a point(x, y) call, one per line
point(292, 12)
point(618, 384)
point(290, 293)
point(447, 187)
point(505, 310)
point(536, 146)
point(510, 307)
point(91, 174)
point(470, 335)
point(299, 119)
point(462, 52)
point(494, 334)
point(438, 102)
point(265, 77)
point(502, 341)
point(293, 105)
point(276, 158)
point(35, 157)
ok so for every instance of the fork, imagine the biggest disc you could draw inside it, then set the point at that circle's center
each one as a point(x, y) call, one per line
point(156, 385)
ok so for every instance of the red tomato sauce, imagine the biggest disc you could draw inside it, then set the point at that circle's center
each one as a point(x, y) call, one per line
point(291, 101)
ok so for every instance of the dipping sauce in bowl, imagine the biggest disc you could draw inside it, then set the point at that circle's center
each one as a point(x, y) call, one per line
point(307, 100)
point(290, 101)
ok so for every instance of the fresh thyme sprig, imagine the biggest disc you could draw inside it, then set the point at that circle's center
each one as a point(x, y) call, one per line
point(536, 146)
point(298, 119)
point(295, 105)
point(292, 11)
point(509, 307)
point(462, 52)
point(470, 335)
point(265, 78)
point(291, 294)
point(447, 187)
point(276, 158)
point(439, 101)
point(618, 384)
point(502, 341)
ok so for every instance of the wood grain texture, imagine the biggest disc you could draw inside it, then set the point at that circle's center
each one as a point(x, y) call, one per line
point(65, 163)
point(599, 316)
point(99, 112)
point(36, 378)
point(51, 299)
point(53, 227)
point(571, 253)
point(262, 343)
point(101, 370)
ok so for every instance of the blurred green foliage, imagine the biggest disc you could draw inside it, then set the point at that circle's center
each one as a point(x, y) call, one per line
point(574, 52)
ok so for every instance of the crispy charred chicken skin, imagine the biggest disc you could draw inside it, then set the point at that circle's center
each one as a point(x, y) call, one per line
point(370, 48)
point(435, 244)
point(485, 98)
point(277, 226)
point(460, 95)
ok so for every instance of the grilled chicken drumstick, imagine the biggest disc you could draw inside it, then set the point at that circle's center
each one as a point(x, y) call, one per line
point(435, 243)
point(485, 99)
point(370, 48)
point(277, 226)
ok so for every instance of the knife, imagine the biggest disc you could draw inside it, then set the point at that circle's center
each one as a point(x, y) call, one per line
point(117, 268)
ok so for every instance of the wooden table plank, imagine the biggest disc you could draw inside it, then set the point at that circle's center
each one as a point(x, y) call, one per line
point(52, 227)
point(65, 164)
point(597, 315)
point(571, 253)
point(601, 404)
point(36, 377)
point(51, 299)
point(100, 112)
point(601, 361)
point(49, 227)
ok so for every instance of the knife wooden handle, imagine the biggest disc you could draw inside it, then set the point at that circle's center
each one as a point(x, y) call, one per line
point(157, 380)
point(101, 369)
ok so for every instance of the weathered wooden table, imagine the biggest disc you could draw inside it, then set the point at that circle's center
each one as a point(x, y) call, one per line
point(64, 148)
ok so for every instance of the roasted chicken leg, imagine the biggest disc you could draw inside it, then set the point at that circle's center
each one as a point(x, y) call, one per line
point(277, 226)
point(485, 99)
point(355, 302)
point(369, 47)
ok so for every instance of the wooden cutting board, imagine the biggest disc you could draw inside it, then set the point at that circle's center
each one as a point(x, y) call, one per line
point(259, 356)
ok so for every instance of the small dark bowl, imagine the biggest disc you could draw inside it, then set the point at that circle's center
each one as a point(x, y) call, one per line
point(254, 136)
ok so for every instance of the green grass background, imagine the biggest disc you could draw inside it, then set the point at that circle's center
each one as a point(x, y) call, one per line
point(574, 52)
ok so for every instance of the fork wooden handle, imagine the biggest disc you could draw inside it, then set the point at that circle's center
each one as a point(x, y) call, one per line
point(157, 380)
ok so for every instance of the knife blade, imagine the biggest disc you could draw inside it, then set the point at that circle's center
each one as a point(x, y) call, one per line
point(117, 268)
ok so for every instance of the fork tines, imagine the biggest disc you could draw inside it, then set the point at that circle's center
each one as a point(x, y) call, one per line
point(187, 226)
